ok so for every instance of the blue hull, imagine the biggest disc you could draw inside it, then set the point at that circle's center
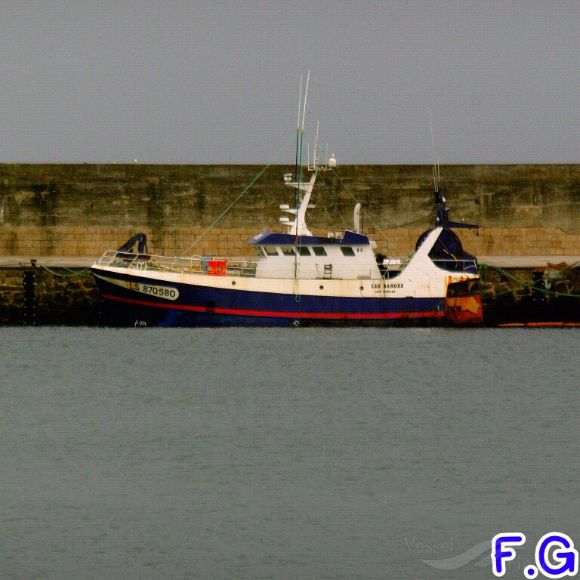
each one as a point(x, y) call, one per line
point(201, 306)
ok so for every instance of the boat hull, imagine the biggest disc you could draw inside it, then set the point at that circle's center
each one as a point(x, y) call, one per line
point(199, 305)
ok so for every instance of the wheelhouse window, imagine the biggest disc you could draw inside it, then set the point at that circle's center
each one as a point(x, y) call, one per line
point(271, 250)
point(304, 251)
point(288, 250)
point(319, 251)
point(347, 251)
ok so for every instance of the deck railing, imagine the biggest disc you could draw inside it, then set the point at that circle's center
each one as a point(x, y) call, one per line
point(180, 265)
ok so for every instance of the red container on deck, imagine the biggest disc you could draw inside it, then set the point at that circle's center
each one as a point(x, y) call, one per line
point(217, 267)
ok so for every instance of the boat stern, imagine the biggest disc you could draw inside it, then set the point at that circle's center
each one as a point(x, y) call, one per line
point(463, 304)
point(464, 310)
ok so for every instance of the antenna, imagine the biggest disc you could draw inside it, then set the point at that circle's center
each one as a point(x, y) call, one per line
point(314, 158)
point(436, 172)
point(441, 211)
point(299, 136)
point(316, 144)
point(299, 103)
point(305, 99)
point(436, 176)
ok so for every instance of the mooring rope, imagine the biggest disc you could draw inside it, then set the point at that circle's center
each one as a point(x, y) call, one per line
point(526, 284)
point(72, 274)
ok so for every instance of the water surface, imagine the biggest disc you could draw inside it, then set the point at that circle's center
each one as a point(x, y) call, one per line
point(310, 453)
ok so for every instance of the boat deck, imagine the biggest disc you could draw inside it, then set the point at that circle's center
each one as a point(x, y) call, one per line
point(531, 262)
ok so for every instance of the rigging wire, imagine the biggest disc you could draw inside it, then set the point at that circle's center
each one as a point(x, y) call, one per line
point(235, 201)
point(365, 213)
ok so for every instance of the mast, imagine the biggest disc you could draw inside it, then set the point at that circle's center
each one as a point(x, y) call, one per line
point(299, 216)
point(441, 209)
point(298, 140)
point(300, 134)
point(303, 189)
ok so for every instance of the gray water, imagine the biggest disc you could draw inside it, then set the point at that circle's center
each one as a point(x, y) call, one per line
point(146, 453)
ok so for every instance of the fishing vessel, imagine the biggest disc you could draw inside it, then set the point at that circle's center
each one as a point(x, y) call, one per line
point(297, 278)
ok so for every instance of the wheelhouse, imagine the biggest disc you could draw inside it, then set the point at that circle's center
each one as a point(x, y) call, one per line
point(349, 257)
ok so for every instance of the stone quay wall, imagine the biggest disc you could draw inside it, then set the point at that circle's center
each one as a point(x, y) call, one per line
point(54, 296)
point(83, 210)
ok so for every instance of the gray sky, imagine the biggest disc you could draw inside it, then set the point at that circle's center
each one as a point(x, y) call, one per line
point(217, 82)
